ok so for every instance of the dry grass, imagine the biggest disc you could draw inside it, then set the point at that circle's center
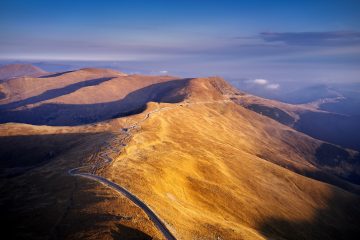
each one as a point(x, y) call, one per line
point(206, 170)
point(210, 171)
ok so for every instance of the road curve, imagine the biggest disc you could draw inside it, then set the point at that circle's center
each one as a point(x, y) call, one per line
point(153, 217)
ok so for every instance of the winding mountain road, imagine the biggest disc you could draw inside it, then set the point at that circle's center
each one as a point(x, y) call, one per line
point(153, 217)
point(106, 160)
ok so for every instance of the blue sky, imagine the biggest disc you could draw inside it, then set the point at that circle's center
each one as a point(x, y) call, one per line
point(280, 41)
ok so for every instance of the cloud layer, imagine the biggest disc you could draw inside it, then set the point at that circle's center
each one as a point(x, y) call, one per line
point(260, 81)
point(264, 83)
point(331, 38)
point(281, 56)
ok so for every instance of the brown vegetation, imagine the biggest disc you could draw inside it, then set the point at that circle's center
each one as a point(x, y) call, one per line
point(208, 167)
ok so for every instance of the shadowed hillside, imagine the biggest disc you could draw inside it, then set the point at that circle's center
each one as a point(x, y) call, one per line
point(20, 153)
point(310, 118)
point(339, 211)
point(39, 199)
point(339, 129)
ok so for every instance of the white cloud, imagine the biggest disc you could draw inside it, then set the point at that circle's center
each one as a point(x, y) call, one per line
point(264, 83)
point(163, 72)
point(273, 86)
point(260, 81)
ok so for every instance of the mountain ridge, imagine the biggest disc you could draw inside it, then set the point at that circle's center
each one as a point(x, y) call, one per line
point(203, 160)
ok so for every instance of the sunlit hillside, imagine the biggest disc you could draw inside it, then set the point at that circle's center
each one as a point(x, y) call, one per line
point(195, 152)
point(214, 170)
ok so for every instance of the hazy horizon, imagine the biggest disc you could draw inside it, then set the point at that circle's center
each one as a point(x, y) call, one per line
point(289, 44)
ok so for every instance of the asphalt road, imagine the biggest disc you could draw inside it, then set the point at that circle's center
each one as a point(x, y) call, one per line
point(153, 217)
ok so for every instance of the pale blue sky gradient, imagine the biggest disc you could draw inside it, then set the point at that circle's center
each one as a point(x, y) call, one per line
point(282, 41)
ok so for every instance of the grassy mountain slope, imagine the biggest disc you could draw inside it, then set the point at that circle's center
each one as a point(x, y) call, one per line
point(219, 170)
point(209, 167)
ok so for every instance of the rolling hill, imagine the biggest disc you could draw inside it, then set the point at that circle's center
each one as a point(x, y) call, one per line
point(19, 70)
point(80, 97)
point(211, 161)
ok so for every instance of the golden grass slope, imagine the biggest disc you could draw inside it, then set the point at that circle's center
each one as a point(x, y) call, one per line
point(210, 169)
point(206, 170)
